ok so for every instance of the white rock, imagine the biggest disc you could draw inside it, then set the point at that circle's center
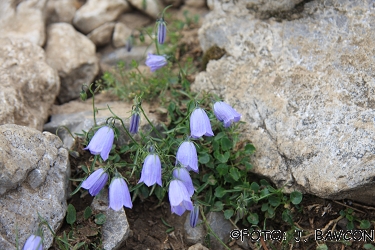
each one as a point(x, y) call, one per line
point(102, 35)
point(97, 12)
point(195, 3)
point(116, 229)
point(73, 56)
point(153, 8)
point(60, 11)
point(121, 34)
point(26, 21)
point(305, 88)
point(34, 179)
point(28, 85)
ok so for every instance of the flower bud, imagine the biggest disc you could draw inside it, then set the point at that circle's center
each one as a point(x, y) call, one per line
point(194, 216)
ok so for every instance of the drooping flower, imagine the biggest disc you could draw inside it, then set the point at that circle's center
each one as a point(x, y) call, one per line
point(182, 174)
point(151, 171)
point(194, 216)
point(134, 123)
point(179, 197)
point(187, 156)
point(101, 143)
point(119, 194)
point(162, 31)
point(200, 124)
point(95, 182)
point(34, 242)
point(226, 114)
point(155, 62)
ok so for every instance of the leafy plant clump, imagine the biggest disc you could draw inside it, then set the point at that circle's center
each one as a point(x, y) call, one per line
point(200, 151)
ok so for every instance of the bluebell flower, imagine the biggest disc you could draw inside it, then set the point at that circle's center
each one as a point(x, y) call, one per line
point(179, 197)
point(101, 143)
point(187, 156)
point(200, 124)
point(183, 175)
point(134, 123)
point(194, 216)
point(226, 114)
point(34, 242)
point(155, 62)
point(151, 171)
point(95, 182)
point(119, 194)
point(162, 31)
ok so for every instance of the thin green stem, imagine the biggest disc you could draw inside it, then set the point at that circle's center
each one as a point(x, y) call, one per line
point(210, 229)
point(149, 122)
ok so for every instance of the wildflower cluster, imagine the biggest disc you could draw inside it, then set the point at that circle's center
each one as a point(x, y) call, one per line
point(181, 187)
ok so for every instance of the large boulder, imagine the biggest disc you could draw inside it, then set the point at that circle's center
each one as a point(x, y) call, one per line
point(73, 56)
point(305, 87)
point(95, 13)
point(34, 176)
point(23, 21)
point(28, 85)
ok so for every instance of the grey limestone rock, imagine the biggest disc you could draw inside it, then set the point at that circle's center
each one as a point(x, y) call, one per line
point(28, 85)
point(116, 229)
point(306, 88)
point(34, 171)
point(102, 35)
point(73, 56)
point(95, 13)
point(23, 21)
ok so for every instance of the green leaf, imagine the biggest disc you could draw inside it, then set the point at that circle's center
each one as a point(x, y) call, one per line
point(274, 201)
point(264, 192)
point(219, 136)
point(271, 211)
point(78, 245)
point(365, 224)
point(235, 174)
point(264, 207)
point(215, 146)
point(254, 186)
point(204, 158)
point(211, 180)
point(322, 247)
point(253, 218)
point(220, 192)
point(350, 225)
point(263, 182)
point(249, 148)
point(71, 214)
point(368, 246)
point(220, 157)
point(287, 216)
point(218, 206)
point(248, 166)
point(100, 219)
point(159, 192)
point(222, 169)
point(296, 197)
point(84, 168)
point(226, 144)
point(87, 213)
point(228, 213)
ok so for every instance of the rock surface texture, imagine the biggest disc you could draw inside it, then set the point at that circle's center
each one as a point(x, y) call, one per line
point(95, 13)
point(28, 85)
point(24, 21)
point(305, 86)
point(73, 56)
point(34, 170)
